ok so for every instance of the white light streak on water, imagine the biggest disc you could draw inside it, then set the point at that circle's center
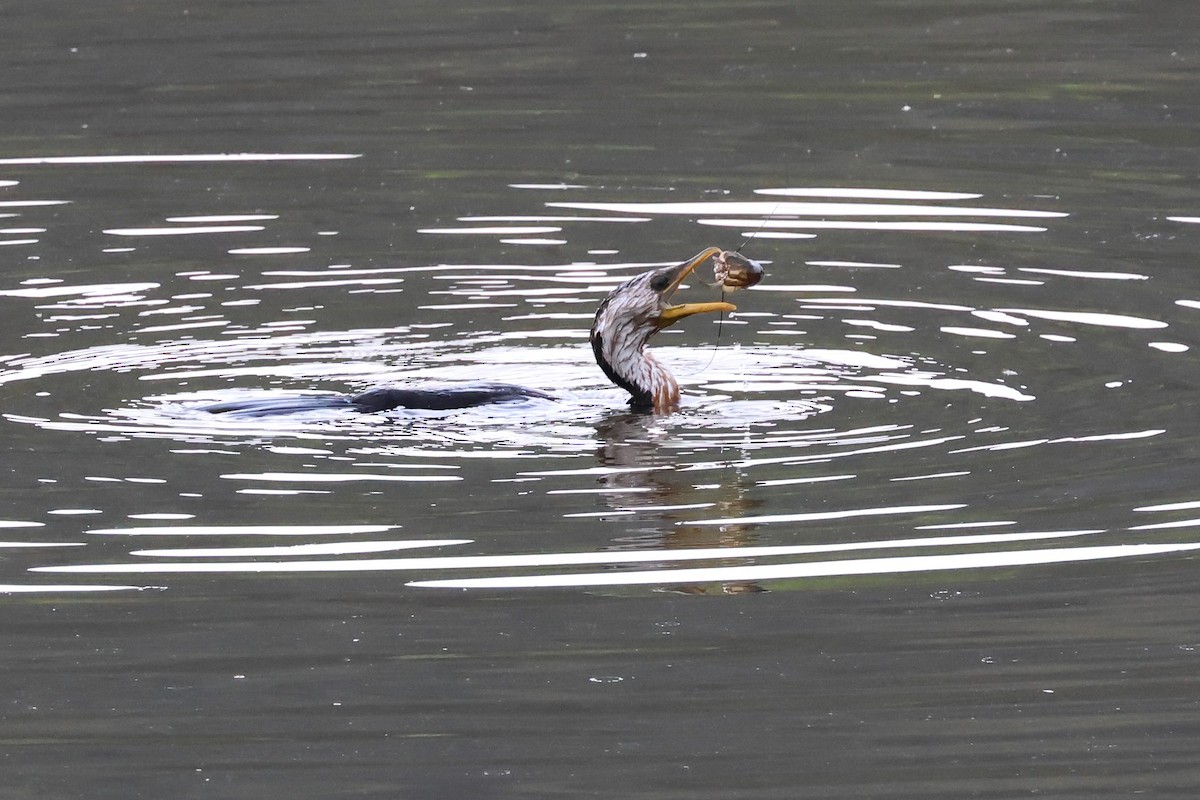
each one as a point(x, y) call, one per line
point(31, 203)
point(815, 516)
point(820, 569)
point(325, 549)
point(800, 287)
point(797, 481)
point(959, 525)
point(853, 358)
point(853, 264)
point(495, 230)
point(246, 530)
point(930, 476)
point(326, 284)
point(974, 269)
point(1171, 506)
point(224, 218)
point(1087, 318)
point(878, 326)
point(267, 251)
point(534, 241)
point(820, 457)
point(1075, 273)
point(1111, 437)
point(996, 448)
point(184, 230)
point(872, 302)
point(771, 210)
point(544, 219)
point(996, 316)
point(51, 588)
point(87, 290)
point(184, 326)
point(552, 186)
point(1160, 526)
point(559, 559)
point(326, 477)
point(954, 384)
point(982, 333)
point(180, 159)
point(868, 194)
point(847, 225)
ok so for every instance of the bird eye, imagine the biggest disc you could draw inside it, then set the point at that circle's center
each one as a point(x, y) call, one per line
point(660, 281)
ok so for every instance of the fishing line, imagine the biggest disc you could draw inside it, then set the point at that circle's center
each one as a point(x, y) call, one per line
point(721, 319)
point(752, 234)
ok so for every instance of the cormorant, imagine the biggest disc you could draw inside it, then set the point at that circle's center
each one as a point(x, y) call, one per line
point(626, 319)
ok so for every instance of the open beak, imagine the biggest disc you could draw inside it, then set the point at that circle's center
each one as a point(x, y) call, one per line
point(672, 314)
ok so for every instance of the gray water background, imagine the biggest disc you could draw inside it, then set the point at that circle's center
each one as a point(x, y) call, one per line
point(885, 393)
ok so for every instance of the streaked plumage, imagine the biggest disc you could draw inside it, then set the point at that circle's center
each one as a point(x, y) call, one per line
point(624, 323)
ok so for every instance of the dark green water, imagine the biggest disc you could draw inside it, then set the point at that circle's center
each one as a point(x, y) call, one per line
point(924, 527)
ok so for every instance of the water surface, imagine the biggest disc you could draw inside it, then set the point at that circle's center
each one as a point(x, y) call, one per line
point(924, 526)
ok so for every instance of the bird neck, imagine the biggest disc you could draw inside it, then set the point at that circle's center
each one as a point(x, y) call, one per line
point(627, 364)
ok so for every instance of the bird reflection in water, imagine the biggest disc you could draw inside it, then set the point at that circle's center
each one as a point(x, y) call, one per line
point(640, 472)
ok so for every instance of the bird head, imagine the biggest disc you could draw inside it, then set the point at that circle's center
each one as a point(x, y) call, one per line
point(630, 315)
point(642, 305)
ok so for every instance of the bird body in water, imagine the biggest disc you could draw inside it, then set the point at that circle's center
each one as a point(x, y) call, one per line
point(624, 323)
point(439, 398)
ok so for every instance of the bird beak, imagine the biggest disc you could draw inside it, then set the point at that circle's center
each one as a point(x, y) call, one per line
point(672, 314)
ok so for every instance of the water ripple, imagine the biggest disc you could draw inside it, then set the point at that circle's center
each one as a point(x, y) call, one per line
point(933, 389)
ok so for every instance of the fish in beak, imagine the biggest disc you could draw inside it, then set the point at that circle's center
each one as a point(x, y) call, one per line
point(671, 279)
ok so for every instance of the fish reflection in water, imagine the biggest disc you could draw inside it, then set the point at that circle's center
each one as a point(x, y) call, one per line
point(621, 329)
